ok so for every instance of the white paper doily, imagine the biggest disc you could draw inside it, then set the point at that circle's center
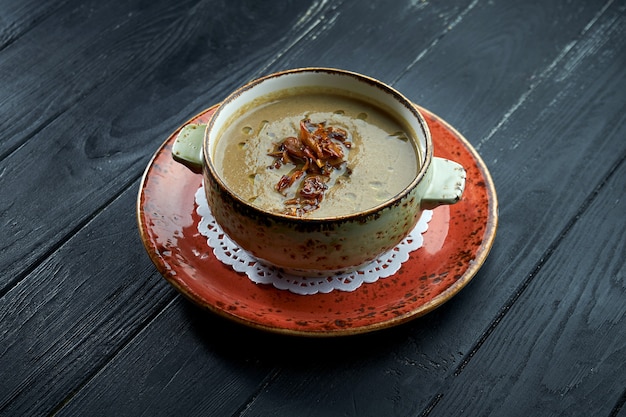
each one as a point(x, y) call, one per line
point(259, 272)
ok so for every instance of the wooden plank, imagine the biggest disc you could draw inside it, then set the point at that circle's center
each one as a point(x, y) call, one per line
point(536, 156)
point(33, 370)
point(28, 308)
point(560, 349)
point(193, 372)
point(19, 17)
point(174, 74)
point(61, 332)
point(502, 52)
point(62, 324)
point(39, 86)
point(400, 371)
point(78, 153)
point(396, 33)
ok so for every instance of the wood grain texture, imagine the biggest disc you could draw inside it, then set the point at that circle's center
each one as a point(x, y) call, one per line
point(79, 162)
point(61, 324)
point(90, 90)
point(217, 380)
point(560, 349)
point(17, 18)
point(534, 173)
point(395, 31)
point(88, 148)
point(406, 364)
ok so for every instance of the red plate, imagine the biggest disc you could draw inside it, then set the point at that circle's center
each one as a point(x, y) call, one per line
point(456, 244)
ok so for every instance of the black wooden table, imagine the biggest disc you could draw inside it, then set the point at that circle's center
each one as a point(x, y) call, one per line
point(90, 90)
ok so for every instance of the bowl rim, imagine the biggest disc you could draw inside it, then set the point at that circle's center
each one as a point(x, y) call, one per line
point(372, 211)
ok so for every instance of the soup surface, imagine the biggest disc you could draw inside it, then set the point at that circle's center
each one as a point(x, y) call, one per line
point(378, 160)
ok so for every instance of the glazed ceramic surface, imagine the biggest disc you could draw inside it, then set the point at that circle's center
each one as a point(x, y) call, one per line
point(456, 244)
point(313, 246)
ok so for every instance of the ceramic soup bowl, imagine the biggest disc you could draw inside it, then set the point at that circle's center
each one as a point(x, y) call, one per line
point(292, 235)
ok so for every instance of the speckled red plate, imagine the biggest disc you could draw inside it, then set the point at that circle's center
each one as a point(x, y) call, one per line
point(456, 244)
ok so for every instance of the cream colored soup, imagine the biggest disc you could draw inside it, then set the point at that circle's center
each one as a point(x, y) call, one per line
point(380, 163)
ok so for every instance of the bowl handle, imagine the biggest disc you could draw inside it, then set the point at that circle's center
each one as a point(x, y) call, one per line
point(187, 147)
point(447, 184)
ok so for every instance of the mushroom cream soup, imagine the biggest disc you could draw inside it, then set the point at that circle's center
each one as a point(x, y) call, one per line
point(315, 154)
